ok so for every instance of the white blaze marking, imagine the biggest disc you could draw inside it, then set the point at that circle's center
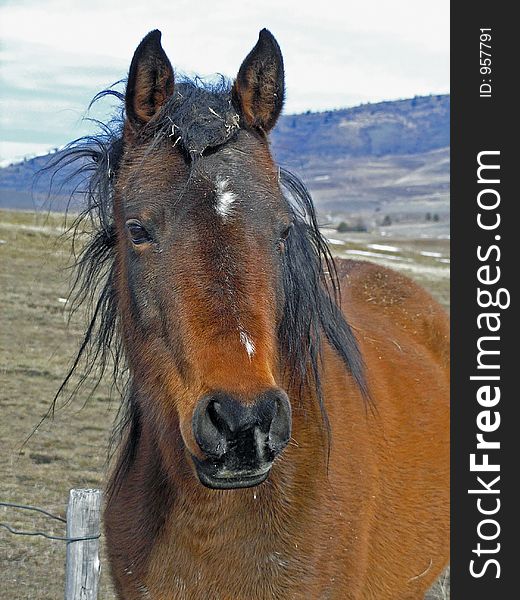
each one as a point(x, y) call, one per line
point(247, 342)
point(225, 198)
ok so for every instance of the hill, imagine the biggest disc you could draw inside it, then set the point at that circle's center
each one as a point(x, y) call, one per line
point(411, 126)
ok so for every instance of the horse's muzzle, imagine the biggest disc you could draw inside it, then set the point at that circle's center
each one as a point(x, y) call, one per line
point(240, 441)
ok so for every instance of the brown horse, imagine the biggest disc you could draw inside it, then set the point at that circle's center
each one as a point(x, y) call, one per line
point(280, 442)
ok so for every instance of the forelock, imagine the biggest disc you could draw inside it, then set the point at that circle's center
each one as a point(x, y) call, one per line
point(200, 116)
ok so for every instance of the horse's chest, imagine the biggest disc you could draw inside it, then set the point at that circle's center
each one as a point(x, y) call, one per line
point(240, 570)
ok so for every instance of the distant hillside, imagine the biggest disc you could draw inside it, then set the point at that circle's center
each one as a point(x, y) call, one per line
point(389, 156)
point(400, 127)
point(20, 187)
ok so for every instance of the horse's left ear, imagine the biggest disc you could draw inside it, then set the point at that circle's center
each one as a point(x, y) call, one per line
point(258, 91)
point(150, 81)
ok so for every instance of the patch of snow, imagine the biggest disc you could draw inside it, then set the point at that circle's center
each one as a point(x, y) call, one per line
point(378, 255)
point(383, 247)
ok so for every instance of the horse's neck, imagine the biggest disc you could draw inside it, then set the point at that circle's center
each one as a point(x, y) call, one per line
point(263, 531)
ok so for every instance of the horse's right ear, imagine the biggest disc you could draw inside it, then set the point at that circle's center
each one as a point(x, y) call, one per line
point(150, 81)
point(258, 91)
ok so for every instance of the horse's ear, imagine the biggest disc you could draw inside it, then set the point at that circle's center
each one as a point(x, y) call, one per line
point(150, 81)
point(258, 91)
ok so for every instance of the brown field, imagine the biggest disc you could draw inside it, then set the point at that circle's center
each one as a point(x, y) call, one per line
point(70, 450)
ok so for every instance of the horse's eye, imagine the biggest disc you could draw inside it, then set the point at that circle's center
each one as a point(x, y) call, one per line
point(137, 232)
point(283, 238)
point(285, 233)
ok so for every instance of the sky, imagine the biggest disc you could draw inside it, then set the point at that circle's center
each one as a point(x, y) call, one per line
point(55, 55)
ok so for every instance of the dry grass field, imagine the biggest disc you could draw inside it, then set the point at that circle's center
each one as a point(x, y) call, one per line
point(70, 451)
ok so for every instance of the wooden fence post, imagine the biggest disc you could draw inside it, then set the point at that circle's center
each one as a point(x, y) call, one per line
point(82, 565)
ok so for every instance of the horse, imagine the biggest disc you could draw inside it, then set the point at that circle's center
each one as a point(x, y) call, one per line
point(284, 429)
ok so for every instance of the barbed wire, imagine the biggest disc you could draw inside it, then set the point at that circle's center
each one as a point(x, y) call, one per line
point(35, 508)
point(42, 533)
point(48, 536)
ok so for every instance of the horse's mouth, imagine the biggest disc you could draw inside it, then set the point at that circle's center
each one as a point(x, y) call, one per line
point(217, 477)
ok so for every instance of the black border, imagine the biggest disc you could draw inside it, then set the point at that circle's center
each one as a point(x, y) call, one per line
point(479, 124)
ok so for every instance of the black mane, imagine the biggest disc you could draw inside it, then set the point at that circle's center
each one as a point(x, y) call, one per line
point(198, 117)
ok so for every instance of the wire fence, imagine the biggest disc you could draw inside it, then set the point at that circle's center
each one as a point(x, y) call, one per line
point(42, 533)
point(82, 564)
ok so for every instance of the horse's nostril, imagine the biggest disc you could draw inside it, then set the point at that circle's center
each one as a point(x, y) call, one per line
point(215, 414)
point(280, 426)
point(207, 429)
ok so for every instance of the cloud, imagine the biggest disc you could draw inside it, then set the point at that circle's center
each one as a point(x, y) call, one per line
point(17, 151)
